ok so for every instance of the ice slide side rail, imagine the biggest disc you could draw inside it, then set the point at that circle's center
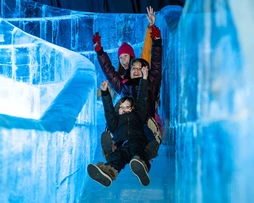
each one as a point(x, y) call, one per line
point(28, 56)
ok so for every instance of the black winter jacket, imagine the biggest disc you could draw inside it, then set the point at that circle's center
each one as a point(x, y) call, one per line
point(128, 125)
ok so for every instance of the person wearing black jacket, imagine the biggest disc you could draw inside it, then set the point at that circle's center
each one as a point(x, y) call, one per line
point(125, 121)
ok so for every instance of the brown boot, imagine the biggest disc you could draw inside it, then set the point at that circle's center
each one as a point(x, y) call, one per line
point(151, 123)
point(108, 170)
point(102, 174)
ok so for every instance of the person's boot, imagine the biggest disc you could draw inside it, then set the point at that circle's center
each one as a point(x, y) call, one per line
point(151, 123)
point(102, 173)
point(106, 144)
point(151, 150)
point(140, 170)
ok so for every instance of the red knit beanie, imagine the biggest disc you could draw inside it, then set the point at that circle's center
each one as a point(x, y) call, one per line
point(126, 49)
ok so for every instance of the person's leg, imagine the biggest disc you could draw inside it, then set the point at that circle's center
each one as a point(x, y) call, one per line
point(137, 147)
point(106, 173)
point(120, 157)
point(158, 120)
point(107, 144)
point(155, 128)
point(152, 147)
point(149, 133)
point(139, 164)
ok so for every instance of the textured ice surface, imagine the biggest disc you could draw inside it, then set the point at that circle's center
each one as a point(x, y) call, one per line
point(47, 119)
point(206, 104)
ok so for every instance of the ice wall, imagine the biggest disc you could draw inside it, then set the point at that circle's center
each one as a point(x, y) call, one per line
point(212, 110)
point(47, 119)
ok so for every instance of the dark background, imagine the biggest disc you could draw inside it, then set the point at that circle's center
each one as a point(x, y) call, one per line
point(111, 6)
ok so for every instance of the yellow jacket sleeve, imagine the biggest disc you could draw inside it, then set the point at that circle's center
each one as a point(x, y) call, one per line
point(146, 51)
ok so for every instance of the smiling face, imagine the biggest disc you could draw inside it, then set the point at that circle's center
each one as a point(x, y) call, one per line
point(124, 60)
point(125, 107)
point(136, 70)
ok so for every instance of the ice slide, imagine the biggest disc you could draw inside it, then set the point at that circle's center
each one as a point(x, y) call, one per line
point(50, 120)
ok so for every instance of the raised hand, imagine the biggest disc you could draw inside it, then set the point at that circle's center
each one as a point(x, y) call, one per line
point(104, 85)
point(145, 72)
point(150, 16)
point(97, 42)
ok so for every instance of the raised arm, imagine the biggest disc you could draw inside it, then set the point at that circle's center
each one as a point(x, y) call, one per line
point(155, 75)
point(142, 95)
point(109, 110)
point(146, 51)
point(108, 69)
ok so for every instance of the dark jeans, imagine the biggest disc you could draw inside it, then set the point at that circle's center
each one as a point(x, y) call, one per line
point(122, 156)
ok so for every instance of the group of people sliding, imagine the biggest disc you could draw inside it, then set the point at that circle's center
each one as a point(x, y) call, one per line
point(133, 132)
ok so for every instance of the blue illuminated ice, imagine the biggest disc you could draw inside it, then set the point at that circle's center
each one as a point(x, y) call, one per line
point(28, 104)
point(47, 119)
point(206, 102)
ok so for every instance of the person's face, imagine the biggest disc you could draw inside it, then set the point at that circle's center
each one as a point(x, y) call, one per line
point(124, 60)
point(125, 107)
point(136, 70)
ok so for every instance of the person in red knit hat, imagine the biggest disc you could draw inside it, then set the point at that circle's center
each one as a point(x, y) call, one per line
point(125, 51)
point(125, 54)
point(125, 48)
